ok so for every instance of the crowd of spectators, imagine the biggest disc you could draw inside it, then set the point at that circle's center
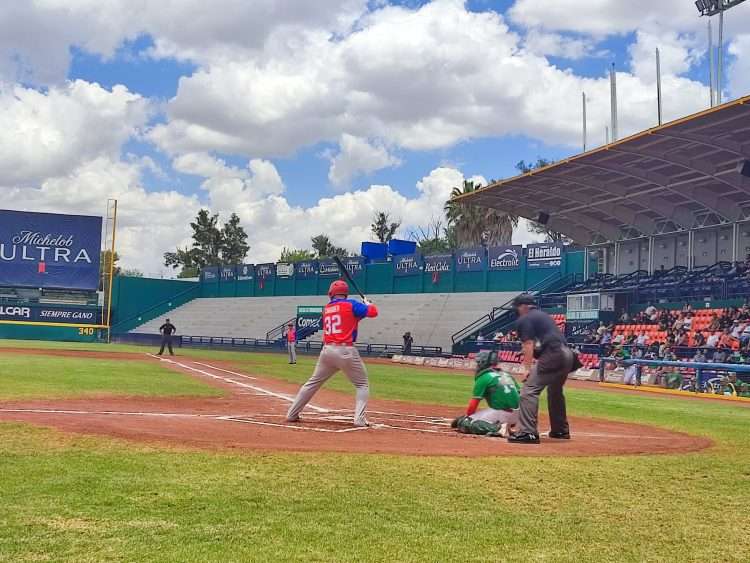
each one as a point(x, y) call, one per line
point(724, 339)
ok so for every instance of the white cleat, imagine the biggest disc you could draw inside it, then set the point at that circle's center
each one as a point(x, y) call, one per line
point(504, 430)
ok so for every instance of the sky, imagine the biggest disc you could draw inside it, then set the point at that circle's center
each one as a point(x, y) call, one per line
point(308, 117)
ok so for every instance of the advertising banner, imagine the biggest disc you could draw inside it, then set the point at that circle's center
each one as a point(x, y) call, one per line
point(505, 257)
point(50, 314)
point(47, 250)
point(265, 271)
point(544, 255)
point(328, 268)
point(210, 274)
point(438, 263)
point(355, 265)
point(227, 273)
point(306, 269)
point(245, 272)
point(407, 265)
point(309, 319)
point(470, 259)
point(284, 270)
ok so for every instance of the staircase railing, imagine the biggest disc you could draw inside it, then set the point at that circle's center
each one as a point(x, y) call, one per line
point(156, 310)
point(550, 283)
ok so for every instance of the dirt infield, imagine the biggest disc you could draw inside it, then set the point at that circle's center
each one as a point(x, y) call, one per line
point(251, 416)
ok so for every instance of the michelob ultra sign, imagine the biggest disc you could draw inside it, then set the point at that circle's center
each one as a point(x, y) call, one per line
point(47, 250)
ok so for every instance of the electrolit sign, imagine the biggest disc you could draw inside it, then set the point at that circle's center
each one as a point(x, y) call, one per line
point(544, 255)
point(438, 263)
point(245, 272)
point(470, 259)
point(406, 265)
point(505, 257)
point(49, 250)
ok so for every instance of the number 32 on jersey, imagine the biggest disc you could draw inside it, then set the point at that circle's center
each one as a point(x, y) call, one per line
point(332, 324)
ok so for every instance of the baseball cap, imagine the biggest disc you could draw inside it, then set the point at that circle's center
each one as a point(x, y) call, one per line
point(524, 299)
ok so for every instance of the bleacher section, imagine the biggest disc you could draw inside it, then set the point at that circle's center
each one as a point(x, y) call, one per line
point(431, 318)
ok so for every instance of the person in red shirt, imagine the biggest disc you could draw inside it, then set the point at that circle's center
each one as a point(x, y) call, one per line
point(291, 343)
point(340, 322)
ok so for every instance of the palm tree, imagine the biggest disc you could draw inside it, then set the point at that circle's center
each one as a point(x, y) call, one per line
point(475, 225)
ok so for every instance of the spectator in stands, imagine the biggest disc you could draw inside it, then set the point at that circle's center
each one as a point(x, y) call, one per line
point(642, 339)
point(408, 340)
point(700, 356)
point(480, 338)
point(714, 325)
point(663, 349)
point(678, 323)
point(650, 310)
point(630, 340)
point(664, 320)
point(606, 338)
point(737, 329)
point(713, 340)
point(601, 330)
point(687, 324)
point(497, 338)
point(700, 339)
point(166, 330)
point(681, 339)
point(625, 318)
point(745, 336)
point(687, 308)
point(726, 340)
point(618, 339)
point(653, 349)
point(720, 356)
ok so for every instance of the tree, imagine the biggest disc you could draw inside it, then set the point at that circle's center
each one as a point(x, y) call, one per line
point(474, 225)
point(550, 235)
point(106, 263)
point(131, 273)
point(211, 246)
point(434, 238)
point(233, 244)
point(292, 255)
point(382, 227)
point(324, 248)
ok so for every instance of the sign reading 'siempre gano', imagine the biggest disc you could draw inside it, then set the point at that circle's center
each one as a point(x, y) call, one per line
point(47, 250)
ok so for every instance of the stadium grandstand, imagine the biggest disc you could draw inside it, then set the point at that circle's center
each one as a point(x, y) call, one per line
point(665, 215)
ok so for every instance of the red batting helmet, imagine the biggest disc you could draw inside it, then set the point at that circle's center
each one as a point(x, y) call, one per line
point(339, 287)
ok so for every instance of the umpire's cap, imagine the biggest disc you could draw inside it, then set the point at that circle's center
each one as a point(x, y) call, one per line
point(524, 299)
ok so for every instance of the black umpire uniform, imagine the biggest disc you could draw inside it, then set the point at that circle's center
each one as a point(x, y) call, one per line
point(167, 330)
point(555, 360)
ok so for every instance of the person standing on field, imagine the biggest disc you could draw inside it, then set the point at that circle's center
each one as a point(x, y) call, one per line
point(554, 362)
point(340, 321)
point(166, 330)
point(291, 343)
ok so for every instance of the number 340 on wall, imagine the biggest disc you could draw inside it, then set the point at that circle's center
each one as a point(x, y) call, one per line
point(85, 331)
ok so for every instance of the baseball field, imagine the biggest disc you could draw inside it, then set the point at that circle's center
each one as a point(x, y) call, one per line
point(108, 453)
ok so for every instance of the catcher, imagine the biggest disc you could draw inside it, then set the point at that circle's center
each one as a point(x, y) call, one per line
point(502, 393)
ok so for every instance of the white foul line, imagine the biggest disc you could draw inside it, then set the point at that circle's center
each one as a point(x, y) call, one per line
point(225, 370)
point(234, 382)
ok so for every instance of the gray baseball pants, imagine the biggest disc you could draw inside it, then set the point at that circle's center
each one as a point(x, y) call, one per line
point(331, 360)
point(495, 416)
point(550, 372)
point(292, 347)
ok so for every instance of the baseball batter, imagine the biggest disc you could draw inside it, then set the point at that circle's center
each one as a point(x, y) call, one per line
point(502, 394)
point(340, 321)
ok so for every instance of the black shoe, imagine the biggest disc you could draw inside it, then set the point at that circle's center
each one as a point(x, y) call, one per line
point(560, 435)
point(524, 438)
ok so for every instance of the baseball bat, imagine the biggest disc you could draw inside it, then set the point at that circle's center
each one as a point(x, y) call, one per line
point(348, 277)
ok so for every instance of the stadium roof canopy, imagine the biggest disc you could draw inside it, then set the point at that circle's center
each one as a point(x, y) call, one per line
point(681, 175)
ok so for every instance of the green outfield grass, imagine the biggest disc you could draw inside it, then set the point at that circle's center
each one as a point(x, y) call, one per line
point(72, 498)
point(42, 377)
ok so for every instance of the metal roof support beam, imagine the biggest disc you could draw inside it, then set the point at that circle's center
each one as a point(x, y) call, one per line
point(739, 149)
point(591, 224)
point(645, 225)
point(677, 214)
point(577, 229)
point(660, 180)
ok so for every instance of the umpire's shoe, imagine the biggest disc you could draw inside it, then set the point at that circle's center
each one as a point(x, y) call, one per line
point(560, 435)
point(523, 438)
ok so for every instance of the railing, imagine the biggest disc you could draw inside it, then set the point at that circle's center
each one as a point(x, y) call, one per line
point(547, 284)
point(157, 310)
point(262, 344)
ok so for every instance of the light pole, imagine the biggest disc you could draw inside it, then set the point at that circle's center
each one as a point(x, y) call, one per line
point(711, 8)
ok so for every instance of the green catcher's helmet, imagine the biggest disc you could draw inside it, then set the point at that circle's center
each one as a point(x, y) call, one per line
point(485, 359)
